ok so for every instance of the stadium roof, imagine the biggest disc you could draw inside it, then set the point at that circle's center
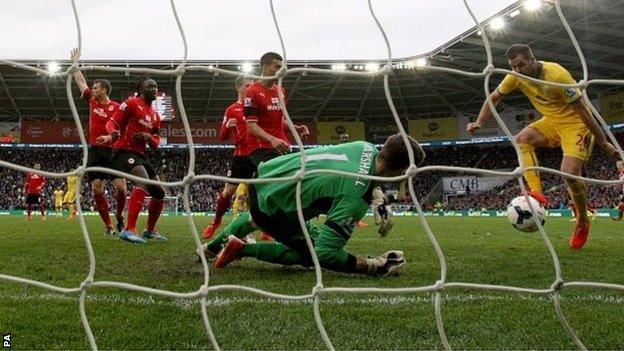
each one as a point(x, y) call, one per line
point(417, 93)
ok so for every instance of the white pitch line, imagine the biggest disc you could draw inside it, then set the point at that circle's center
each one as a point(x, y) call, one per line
point(225, 301)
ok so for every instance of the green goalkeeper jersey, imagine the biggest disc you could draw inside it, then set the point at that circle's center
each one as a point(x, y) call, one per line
point(344, 199)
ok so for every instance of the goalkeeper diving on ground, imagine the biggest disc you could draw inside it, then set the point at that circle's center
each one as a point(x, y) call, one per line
point(345, 200)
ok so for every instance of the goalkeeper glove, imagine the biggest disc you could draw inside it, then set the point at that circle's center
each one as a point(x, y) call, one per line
point(390, 263)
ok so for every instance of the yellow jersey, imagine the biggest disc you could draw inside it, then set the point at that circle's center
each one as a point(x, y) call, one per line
point(550, 101)
point(71, 183)
point(58, 196)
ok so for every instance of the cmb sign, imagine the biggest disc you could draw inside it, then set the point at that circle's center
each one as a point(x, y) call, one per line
point(457, 184)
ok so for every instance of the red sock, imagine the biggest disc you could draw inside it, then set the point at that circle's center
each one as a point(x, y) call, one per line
point(120, 198)
point(154, 209)
point(42, 209)
point(134, 207)
point(28, 209)
point(223, 204)
point(621, 210)
point(102, 207)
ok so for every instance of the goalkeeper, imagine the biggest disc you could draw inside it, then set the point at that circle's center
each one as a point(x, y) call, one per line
point(345, 200)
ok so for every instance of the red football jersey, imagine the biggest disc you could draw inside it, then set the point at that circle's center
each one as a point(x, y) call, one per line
point(99, 114)
point(244, 143)
point(34, 183)
point(262, 105)
point(135, 116)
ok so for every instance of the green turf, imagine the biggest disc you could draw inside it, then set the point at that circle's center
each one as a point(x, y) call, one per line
point(478, 250)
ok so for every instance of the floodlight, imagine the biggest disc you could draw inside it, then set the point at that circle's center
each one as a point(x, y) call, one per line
point(247, 67)
point(339, 67)
point(53, 67)
point(372, 66)
point(497, 23)
point(532, 5)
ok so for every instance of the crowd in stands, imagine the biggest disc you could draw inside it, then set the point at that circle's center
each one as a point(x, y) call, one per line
point(172, 165)
point(599, 167)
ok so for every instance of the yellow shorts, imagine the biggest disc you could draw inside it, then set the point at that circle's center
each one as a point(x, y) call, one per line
point(574, 137)
point(58, 204)
point(69, 197)
point(242, 189)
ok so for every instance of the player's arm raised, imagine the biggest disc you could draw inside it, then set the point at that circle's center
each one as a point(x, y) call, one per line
point(79, 77)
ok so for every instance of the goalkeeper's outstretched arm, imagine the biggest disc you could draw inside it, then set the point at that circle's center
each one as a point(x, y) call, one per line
point(336, 231)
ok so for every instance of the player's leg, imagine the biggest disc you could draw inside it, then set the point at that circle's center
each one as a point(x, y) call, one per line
point(120, 200)
point(577, 144)
point(223, 204)
point(289, 249)
point(98, 157)
point(377, 214)
point(240, 199)
point(155, 206)
point(240, 167)
point(41, 205)
point(68, 200)
point(101, 204)
point(239, 227)
point(131, 162)
point(537, 134)
point(28, 207)
point(620, 209)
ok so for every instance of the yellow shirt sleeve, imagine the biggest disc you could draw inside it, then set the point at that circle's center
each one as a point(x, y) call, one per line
point(570, 95)
point(509, 84)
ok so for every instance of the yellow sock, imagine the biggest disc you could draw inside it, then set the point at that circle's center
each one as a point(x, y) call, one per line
point(530, 159)
point(578, 193)
point(72, 210)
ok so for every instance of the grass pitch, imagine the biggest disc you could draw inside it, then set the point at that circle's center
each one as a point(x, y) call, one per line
point(478, 250)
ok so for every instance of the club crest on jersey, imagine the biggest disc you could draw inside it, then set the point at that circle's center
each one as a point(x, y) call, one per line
point(100, 112)
point(147, 122)
point(110, 108)
point(131, 160)
point(247, 102)
point(275, 105)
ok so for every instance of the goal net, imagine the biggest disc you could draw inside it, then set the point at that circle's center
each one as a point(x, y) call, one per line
point(316, 293)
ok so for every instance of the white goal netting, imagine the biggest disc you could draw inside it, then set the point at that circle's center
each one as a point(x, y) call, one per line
point(318, 290)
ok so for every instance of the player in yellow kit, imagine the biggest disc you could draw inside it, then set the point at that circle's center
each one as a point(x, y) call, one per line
point(566, 123)
point(58, 201)
point(70, 195)
point(240, 199)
